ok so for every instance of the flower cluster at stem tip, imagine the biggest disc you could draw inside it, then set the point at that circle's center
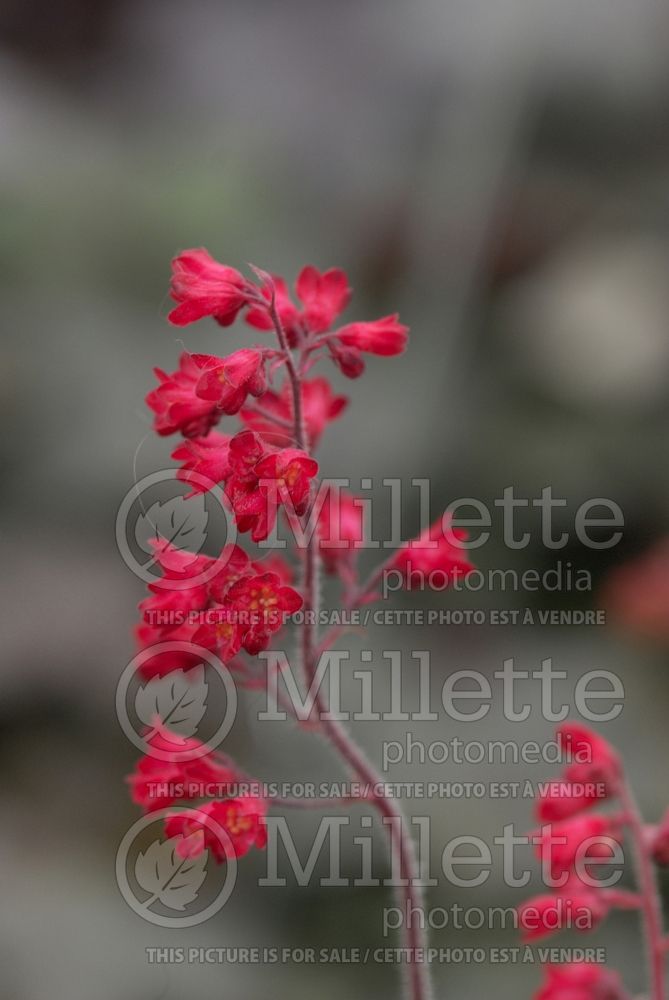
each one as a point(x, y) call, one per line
point(236, 605)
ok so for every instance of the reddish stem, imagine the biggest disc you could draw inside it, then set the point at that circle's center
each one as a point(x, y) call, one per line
point(649, 897)
point(401, 843)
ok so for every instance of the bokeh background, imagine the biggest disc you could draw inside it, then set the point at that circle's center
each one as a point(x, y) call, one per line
point(499, 173)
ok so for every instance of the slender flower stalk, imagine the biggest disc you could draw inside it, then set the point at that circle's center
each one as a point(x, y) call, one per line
point(649, 898)
point(361, 769)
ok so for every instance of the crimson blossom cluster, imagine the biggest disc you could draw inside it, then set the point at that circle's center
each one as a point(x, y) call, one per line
point(571, 842)
point(235, 604)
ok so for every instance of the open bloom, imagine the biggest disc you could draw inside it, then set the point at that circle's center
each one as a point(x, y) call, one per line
point(262, 479)
point(261, 604)
point(177, 406)
point(324, 295)
point(198, 615)
point(227, 828)
point(433, 559)
point(289, 472)
point(580, 981)
point(203, 287)
point(160, 782)
point(228, 381)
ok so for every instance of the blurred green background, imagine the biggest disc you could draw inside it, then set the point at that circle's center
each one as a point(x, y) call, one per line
point(499, 173)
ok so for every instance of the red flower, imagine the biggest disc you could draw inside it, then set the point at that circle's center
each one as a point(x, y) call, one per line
point(385, 337)
point(559, 799)
point(323, 295)
point(158, 783)
point(290, 472)
point(253, 512)
point(261, 604)
point(432, 559)
point(579, 908)
point(191, 614)
point(203, 287)
point(260, 480)
point(177, 406)
point(319, 407)
point(228, 381)
point(240, 820)
point(206, 458)
point(580, 981)
point(220, 633)
point(560, 843)
point(340, 527)
point(592, 776)
point(595, 759)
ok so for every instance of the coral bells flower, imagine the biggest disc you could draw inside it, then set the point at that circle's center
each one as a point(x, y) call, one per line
point(261, 480)
point(577, 907)
point(432, 559)
point(203, 287)
point(158, 782)
point(324, 295)
point(580, 981)
point(288, 472)
point(228, 828)
point(176, 405)
point(206, 461)
point(261, 604)
point(592, 776)
point(594, 758)
point(193, 616)
point(559, 799)
point(385, 337)
point(320, 406)
point(228, 381)
point(583, 838)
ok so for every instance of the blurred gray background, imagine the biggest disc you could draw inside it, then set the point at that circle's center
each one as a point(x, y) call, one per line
point(498, 173)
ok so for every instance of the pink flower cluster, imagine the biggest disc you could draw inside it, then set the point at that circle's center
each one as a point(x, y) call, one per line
point(570, 843)
point(231, 604)
point(227, 826)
